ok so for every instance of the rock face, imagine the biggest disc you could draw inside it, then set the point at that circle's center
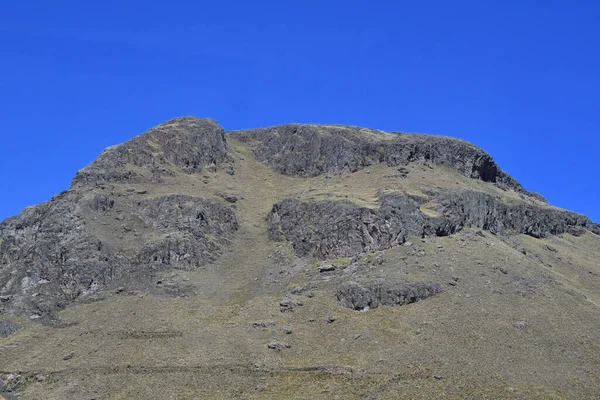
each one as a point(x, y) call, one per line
point(460, 209)
point(310, 150)
point(191, 230)
point(57, 251)
point(356, 297)
point(84, 238)
point(329, 229)
point(7, 328)
point(186, 143)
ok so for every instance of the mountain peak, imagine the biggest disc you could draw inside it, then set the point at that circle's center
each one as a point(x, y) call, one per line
point(188, 144)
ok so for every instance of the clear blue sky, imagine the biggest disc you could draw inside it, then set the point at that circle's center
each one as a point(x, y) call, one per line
point(518, 78)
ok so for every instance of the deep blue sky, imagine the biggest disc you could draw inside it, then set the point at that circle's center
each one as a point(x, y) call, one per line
point(518, 78)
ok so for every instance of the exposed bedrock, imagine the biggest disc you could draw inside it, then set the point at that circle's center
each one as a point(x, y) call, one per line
point(481, 210)
point(326, 229)
point(7, 328)
point(310, 150)
point(54, 253)
point(187, 143)
point(329, 229)
point(357, 297)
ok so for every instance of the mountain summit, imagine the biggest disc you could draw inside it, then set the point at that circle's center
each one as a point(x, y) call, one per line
point(297, 261)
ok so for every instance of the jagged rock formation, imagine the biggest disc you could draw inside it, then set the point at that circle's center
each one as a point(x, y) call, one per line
point(460, 209)
point(329, 229)
point(310, 150)
point(84, 238)
point(189, 144)
point(55, 251)
point(356, 297)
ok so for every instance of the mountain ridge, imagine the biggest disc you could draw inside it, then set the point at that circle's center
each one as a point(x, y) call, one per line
point(331, 218)
point(192, 145)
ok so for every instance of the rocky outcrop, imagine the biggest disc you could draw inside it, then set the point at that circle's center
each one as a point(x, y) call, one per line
point(47, 258)
point(460, 209)
point(192, 230)
point(84, 238)
point(7, 328)
point(329, 229)
point(326, 229)
point(310, 150)
point(356, 297)
point(188, 144)
point(56, 252)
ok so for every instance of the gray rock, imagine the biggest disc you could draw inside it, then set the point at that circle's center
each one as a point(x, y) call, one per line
point(329, 319)
point(521, 324)
point(288, 305)
point(63, 250)
point(7, 328)
point(276, 345)
point(476, 209)
point(354, 296)
point(263, 324)
point(188, 143)
point(231, 199)
point(310, 150)
point(68, 356)
point(296, 289)
point(330, 229)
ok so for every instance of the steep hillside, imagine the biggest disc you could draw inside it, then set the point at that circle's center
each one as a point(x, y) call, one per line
point(298, 261)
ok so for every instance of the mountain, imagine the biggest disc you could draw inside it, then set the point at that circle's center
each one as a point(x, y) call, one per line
point(297, 261)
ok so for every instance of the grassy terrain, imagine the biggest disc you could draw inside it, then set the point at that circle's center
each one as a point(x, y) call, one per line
point(518, 319)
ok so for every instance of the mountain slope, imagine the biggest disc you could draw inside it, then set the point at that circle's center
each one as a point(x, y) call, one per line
point(180, 265)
